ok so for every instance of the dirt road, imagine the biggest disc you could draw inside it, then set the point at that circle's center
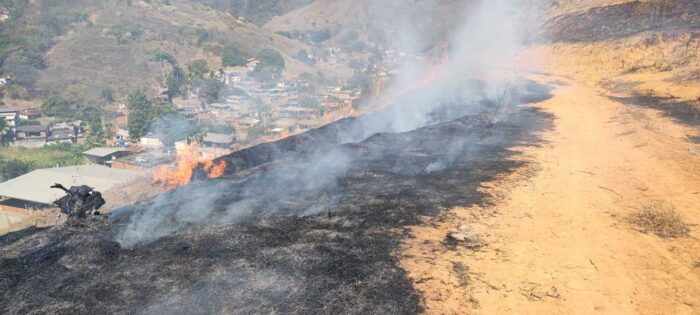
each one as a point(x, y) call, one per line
point(558, 236)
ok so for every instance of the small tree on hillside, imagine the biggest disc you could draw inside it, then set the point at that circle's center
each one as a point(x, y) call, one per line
point(197, 70)
point(234, 57)
point(140, 114)
point(6, 135)
point(97, 133)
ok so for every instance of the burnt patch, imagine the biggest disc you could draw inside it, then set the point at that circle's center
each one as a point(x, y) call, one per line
point(684, 112)
point(621, 20)
point(269, 243)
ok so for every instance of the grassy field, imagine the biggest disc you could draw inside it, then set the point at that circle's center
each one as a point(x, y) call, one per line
point(48, 156)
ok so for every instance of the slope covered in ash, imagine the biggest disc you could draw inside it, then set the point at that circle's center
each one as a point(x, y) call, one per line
point(309, 233)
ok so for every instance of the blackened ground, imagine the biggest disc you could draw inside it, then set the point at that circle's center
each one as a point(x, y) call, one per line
point(684, 112)
point(625, 19)
point(353, 129)
point(274, 260)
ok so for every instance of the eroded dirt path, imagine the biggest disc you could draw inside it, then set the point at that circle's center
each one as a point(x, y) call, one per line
point(558, 235)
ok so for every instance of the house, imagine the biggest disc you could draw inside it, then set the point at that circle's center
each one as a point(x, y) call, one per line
point(63, 133)
point(122, 132)
point(31, 191)
point(150, 141)
point(218, 140)
point(4, 14)
point(252, 63)
point(104, 155)
point(30, 114)
point(4, 80)
point(31, 132)
point(11, 117)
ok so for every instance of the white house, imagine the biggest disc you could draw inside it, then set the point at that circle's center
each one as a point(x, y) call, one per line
point(11, 117)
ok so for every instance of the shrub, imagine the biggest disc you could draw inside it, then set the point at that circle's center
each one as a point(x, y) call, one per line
point(661, 218)
point(234, 57)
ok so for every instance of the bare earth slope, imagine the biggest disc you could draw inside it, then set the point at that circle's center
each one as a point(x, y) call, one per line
point(559, 237)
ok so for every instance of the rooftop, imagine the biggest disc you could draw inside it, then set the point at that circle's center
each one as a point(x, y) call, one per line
point(219, 138)
point(103, 152)
point(34, 186)
point(32, 128)
point(148, 159)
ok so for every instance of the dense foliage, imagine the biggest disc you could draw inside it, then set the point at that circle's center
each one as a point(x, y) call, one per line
point(234, 57)
point(142, 113)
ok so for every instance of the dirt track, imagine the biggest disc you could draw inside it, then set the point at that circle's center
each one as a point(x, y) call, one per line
point(559, 237)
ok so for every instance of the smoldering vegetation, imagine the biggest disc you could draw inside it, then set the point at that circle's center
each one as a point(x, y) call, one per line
point(316, 246)
point(278, 178)
point(308, 224)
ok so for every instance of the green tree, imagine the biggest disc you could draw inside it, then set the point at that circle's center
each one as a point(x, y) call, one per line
point(12, 168)
point(202, 36)
point(141, 114)
point(107, 94)
point(96, 131)
point(270, 58)
point(197, 70)
point(303, 56)
point(6, 134)
point(212, 90)
point(57, 106)
point(234, 57)
point(175, 82)
point(270, 66)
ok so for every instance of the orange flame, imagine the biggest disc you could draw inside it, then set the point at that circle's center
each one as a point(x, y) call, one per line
point(171, 177)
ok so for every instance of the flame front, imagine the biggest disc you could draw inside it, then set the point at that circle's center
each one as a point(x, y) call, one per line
point(188, 158)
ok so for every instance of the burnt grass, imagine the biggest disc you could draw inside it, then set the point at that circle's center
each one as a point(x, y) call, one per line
point(341, 259)
point(621, 20)
point(684, 112)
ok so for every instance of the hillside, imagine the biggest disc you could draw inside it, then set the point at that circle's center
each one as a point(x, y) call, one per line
point(108, 45)
point(87, 58)
point(258, 11)
point(382, 22)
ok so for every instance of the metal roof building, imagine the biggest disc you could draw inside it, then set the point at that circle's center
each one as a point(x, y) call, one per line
point(34, 186)
point(103, 152)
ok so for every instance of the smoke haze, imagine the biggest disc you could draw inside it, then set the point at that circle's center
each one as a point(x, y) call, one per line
point(427, 92)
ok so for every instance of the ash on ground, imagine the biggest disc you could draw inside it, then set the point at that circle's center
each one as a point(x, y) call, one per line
point(265, 243)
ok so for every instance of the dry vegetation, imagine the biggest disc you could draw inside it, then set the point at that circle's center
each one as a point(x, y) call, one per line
point(462, 273)
point(34, 219)
point(662, 219)
point(130, 193)
point(651, 63)
point(112, 48)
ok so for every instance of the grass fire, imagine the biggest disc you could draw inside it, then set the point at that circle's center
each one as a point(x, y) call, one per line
point(187, 159)
point(349, 157)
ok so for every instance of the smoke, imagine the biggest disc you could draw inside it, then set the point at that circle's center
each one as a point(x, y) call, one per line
point(468, 71)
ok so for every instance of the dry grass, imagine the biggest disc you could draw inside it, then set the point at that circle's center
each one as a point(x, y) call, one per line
point(139, 189)
point(661, 218)
point(462, 273)
point(38, 218)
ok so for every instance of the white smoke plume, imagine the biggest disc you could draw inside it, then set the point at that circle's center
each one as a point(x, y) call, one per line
point(482, 50)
